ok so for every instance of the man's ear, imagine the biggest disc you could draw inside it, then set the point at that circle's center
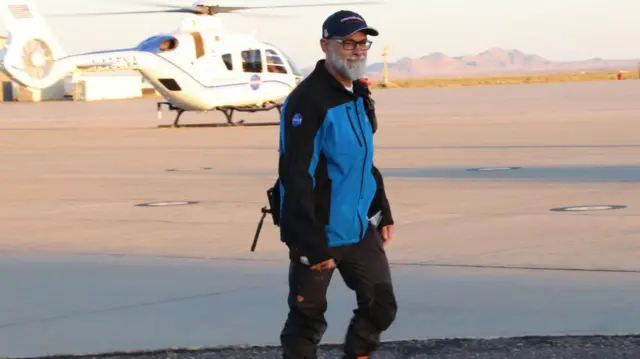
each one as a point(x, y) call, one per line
point(324, 45)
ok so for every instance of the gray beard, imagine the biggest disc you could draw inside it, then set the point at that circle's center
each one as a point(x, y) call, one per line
point(353, 68)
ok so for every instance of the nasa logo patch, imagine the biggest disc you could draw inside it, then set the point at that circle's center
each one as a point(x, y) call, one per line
point(296, 120)
point(255, 82)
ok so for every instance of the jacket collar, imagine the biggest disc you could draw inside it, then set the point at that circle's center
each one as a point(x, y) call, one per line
point(359, 89)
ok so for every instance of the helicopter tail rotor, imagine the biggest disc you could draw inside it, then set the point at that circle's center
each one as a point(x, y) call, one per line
point(30, 50)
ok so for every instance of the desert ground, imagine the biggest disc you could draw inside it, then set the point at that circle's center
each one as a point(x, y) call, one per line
point(478, 250)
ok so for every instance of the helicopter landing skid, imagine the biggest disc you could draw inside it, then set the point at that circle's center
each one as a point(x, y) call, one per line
point(227, 111)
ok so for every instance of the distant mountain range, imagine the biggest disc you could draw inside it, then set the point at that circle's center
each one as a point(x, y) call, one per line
point(492, 61)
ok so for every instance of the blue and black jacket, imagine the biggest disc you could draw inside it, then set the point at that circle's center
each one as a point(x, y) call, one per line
point(328, 185)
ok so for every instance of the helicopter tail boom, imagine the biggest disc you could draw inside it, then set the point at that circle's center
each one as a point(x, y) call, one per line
point(31, 49)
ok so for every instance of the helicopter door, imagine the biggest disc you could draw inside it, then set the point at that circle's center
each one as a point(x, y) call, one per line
point(253, 68)
point(200, 64)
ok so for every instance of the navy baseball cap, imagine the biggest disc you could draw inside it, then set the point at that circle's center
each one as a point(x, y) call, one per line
point(344, 23)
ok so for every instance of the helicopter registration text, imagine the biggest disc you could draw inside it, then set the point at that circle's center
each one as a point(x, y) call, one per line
point(120, 62)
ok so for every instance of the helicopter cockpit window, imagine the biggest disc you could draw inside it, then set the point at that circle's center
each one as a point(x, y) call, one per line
point(158, 44)
point(296, 71)
point(227, 61)
point(168, 45)
point(251, 61)
point(275, 63)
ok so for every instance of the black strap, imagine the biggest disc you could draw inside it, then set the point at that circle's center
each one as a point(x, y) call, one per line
point(265, 210)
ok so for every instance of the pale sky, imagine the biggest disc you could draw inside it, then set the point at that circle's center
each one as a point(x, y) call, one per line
point(555, 29)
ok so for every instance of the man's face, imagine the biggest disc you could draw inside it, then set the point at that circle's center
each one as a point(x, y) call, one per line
point(348, 55)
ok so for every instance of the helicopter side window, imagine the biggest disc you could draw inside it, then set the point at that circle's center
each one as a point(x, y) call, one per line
point(227, 61)
point(251, 61)
point(275, 63)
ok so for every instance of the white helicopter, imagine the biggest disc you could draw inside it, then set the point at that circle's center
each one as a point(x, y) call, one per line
point(198, 67)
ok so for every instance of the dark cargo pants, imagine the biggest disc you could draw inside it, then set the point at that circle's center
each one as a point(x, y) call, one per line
point(365, 269)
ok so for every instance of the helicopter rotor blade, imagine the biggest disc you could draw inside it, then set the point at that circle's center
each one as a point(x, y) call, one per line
point(240, 8)
point(155, 4)
point(248, 14)
point(152, 4)
point(176, 9)
point(140, 12)
point(204, 10)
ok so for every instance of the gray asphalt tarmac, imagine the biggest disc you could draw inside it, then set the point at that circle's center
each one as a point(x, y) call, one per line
point(479, 251)
point(98, 304)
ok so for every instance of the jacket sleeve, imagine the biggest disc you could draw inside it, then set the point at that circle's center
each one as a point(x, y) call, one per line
point(380, 201)
point(300, 226)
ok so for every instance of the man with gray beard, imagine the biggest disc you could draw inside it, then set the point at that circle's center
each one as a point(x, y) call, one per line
point(333, 211)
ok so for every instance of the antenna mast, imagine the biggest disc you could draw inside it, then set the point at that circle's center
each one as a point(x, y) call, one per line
point(385, 72)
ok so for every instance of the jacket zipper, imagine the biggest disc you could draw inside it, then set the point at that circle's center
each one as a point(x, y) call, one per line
point(353, 127)
point(365, 156)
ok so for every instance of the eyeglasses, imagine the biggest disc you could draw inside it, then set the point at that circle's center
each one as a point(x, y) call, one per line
point(351, 45)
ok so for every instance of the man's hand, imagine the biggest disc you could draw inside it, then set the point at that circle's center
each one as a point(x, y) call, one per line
point(386, 233)
point(326, 265)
